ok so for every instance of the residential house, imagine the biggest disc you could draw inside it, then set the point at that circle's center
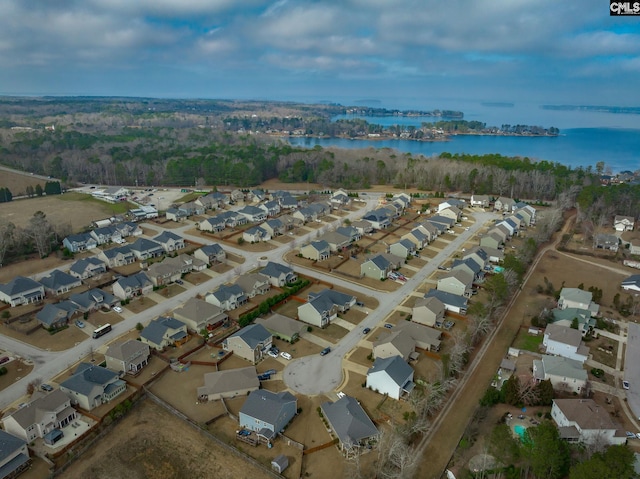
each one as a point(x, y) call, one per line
point(451, 212)
point(128, 287)
point(350, 232)
point(209, 202)
point(442, 220)
point(478, 255)
point(129, 228)
point(169, 241)
point(143, 249)
point(566, 375)
point(93, 300)
point(428, 311)
point(577, 298)
point(213, 225)
point(237, 195)
point(54, 316)
point(253, 214)
point(377, 267)
point(350, 423)
point(452, 302)
point(566, 317)
point(210, 253)
point(91, 385)
point(510, 225)
point(565, 342)
point(363, 226)
point(504, 204)
point(501, 230)
point(379, 219)
point(191, 208)
point(169, 270)
point(227, 297)
point(480, 200)
point(305, 214)
point(631, 239)
point(403, 248)
point(268, 413)
point(87, 268)
point(270, 208)
point(273, 227)
point(606, 241)
point(254, 284)
point(417, 237)
point(460, 204)
point(256, 196)
point(58, 282)
point(40, 416)
point(163, 332)
point(198, 315)
point(337, 242)
point(256, 234)
point(14, 456)
point(632, 283)
point(323, 307)
point(391, 376)
point(470, 267)
point(282, 327)
point(424, 337)
point(429, 230)
point(320, 208)
point(289, 222)
point(251, 343)
point(228, 384)
point(106, 234)
point(278, 274)
point(176, 214)
point(288, 202)
point(120, 256)
point(585, 421)
point(127, 356)
point(339, 198)
point(233, 219)
point(316, 250)
point(491, 240)
point(112, 194)
point(403, 340)
point(21, 290)
point(458, 282)
point(80, 242)
point(623, 223)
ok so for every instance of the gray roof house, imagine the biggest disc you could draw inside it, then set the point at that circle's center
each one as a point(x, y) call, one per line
point(305, 214)
point(192, 208)
point(377, 267)
point(119, 256)
point(288, 202)
point(428, 311)
point(227, 297)
point(273, 227)
point(135, 285)
point(480, 200)
point(456, 282)
point(251, 343)
point(256, 234)
point(54, 316)
point(350, 423)
point(451, 212)
point(452, 302)
point(176, 214)
point(91, 385)
point(584, 421)
point(606, 241)
point(623, 223)
point(169, 241)
point(268, 413)
point(14, 456)
point(214, 224)
point(253, 213)
point(282, 327)
point(379, 219)
point(350, 232)
point(336, 241)
point(566, 375)
point(210, 253)
point(228, 384)
point(417, 237)
point(87, 268)
point(271, 208)
point(491, 240)
point(79, 242)
point(323, 307)
point(198, 314)
point(127, 356)
point(394, 343)
point(316, 250)
point(504, 204)
point(441, 220)
point(21, 290)
point(93, 299)
point(429, 229)
point(171, 269)
point(363, 226)
point(632, 283)
point(391, 376)
point(58, 282)
point(279, 275)
point(163, 332)
point(106, 234)
point(254, 284)
point(39, 416)
point(403, 248)
point(577, 298)
point(143, 249)
point(477, 254)
point(470, 267)
point(565, 342)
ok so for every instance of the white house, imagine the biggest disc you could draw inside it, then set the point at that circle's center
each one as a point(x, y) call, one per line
point(582, 420)
point(565, 342)
point(566, 375)
point(391, 376)
point(623, 223)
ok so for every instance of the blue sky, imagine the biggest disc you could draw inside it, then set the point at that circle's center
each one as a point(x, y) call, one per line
point(341, 50)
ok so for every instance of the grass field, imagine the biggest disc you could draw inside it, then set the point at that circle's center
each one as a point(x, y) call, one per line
point(18, 182)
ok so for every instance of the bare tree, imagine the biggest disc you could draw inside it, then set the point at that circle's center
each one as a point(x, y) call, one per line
point(40, 231)
point(7, 237)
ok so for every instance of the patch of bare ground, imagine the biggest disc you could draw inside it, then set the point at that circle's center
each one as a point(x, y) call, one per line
point(16, 370)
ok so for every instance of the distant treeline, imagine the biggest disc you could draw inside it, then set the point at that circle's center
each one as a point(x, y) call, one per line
point(604, 202)
point(464, 126)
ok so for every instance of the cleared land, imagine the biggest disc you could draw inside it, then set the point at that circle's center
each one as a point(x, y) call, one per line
point(18, 182)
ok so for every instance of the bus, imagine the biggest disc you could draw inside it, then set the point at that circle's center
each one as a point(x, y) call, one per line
point(101, 331)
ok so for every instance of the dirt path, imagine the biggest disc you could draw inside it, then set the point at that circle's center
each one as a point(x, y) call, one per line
point(447, 429)
point(622, 271)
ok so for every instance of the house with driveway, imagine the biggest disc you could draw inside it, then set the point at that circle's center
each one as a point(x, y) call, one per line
point(127, 357)
point(253, 214)
point(120, 256)
point(350, 232)
point(403, 248)
point(456, 282)
point(282, 327)
point(254, 284)
point(54, 316)
point(585, 421)
point(14, 459)
point(566, 342)
point(41, 415)
point(504, 204)
point(256, 234)
point(143, 249)
point(390, 376)
point(169, 270)
point(268, 413)
point(323, 307)
point(429, 230)
point(227, 297)
point(491, 240)
point(566, 375)
point(58, 282)
point(606, 241)
point(176, 214)
point(210, 253)
point(452, 302)
point(316, 250)
point(623, 223)
point(198, 315)
point(271, 208)
point(80, 242)
point(468, 266)
point(169, 241)
point(87, 268)
point(213, 225)
point(428, 311)
point(164, 331)
point(251, 343)
point(350, 422)
point(228, 384)
point(337, 242)
point(93, 300)
point(21, 290)
point(379, 219)
point(273, 227)
point(91, 386)
point(416, 236)
point(363, 226)
point(480, 200)
point(279, 275)
point(378, 267)
point(128, 287)
point(394, 343)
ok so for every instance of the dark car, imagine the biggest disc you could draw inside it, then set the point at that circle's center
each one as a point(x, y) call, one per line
point(179, 281)
point(366, 330)
point(359, 303)
point(46, 387)
point(388, 326)
point(325, 351)
point(243, 432)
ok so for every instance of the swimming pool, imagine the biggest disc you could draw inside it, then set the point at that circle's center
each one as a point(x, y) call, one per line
point(519, 429)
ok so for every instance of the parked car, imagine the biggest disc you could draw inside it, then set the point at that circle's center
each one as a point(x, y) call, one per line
point(46, 387)
point(264, 377)
point(325, 351)
point(366, 330)
point(117, 309)
point(274, 349)
point(631, 435)
point(359, 303)
point(388, 326)
point(4, 359)
point(625, 384)
point(179, 281)
point(286, 355)
point(341, 395)
point(270, 372)
point(79, 323)
point(272, 353)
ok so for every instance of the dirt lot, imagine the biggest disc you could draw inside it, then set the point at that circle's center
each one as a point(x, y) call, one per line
point(42, 339)
point(18, 182)
point(150, 442)
point(332, 333)
point(16, 370)
point(31, 266)
point(140, 304)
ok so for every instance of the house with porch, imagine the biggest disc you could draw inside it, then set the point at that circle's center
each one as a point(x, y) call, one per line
point(170, 241)
point(350, 232)
point(565, 342)
point(350, 422)
point(213, 225)
point(323, 307)
point(58, 282)
point(21, 290)
point(198, 315)
point(93, 300)
point(282, 327)
point(429, 230)
point(585, 421)
point(175, 214)
point(251, 343)
point(256, 234)
point(504, 204)
point(273, 227)
point(137, 284)
point(254, 284)
point(120, 256)
point(577, 298)
point(210, 253)
point(270, 208)
point(91, 386)
point(87, 268)
point(279, 275)
point(452, 302)
point(379, 219)
point(480, 200)
point(566, 375)
point(390, 376)
point(623, 223)
point(268, 413)
point(363, 227)
point(164, 331)
point(171, 269)
point(143, 249)
point(253, 214)
point(305, 214)
point(127, 357)
point(417, 237)
point(228, 384)
point(80, 242)
point(55, 316)
point(227, 297)
point(316, 250)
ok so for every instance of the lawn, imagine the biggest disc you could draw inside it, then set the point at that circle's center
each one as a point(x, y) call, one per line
point(528, 342)
point(115, 208)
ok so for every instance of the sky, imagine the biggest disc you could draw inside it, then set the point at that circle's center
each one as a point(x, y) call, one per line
point(567, 52)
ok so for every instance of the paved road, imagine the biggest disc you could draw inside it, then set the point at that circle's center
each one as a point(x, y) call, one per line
point(48, 364)
point(320, 374)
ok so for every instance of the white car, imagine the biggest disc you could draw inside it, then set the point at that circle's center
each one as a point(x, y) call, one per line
point(286, 355)
point(117, 309)
point(273, 354)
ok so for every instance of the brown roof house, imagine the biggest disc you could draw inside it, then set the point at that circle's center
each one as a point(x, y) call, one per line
point(127, 356)
point(228, 384)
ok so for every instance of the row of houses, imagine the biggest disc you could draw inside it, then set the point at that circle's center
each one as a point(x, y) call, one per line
point(114, 233)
